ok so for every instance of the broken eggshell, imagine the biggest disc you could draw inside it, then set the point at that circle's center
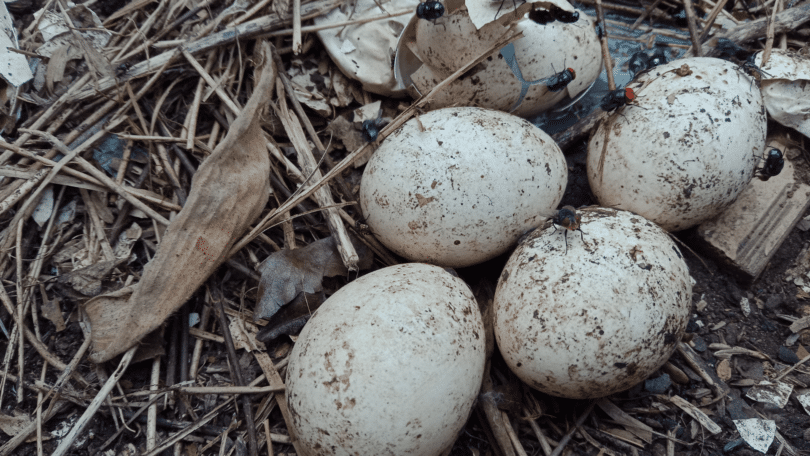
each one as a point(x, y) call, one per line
point(458, 186)
point(785, 89)
point(429, 51)
point(687, 146)
point(389, 364)
point(595, 319)
point(365, 52)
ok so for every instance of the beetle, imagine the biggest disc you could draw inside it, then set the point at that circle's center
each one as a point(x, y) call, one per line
point(774, 162)
point(430, 10)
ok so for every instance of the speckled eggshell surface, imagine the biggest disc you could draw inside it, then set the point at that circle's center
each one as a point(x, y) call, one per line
point(389, 365)
point(685, 149)
point(463, 190)
point(598, 319)
point(452, 41)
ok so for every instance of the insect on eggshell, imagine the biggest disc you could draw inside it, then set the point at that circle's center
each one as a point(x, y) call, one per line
point(452, 41)
point(598, 319)
point(389, 365)
point(685, 149)
point(463, 190)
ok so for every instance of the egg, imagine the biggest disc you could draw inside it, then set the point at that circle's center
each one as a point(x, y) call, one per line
point(429, 51)
point(388, 365)
point(685, 149)
point(458, 186)
point(595, 318)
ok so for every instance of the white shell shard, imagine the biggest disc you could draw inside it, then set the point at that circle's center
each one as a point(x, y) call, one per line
point(599, 317)
point(363, 51)
point(463, 190)
point(757, 433)
point(774, 393)
point(685, 149)
point(389, 365)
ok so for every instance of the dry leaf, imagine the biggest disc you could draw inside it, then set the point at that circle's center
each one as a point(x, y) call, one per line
point(292, 317)
point(87, 281)
point(724, 370)
point(288, 272)
point(53, 312)
point(228, 192)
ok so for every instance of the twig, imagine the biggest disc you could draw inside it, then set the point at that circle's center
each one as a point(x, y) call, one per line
point(791, 368)
point(94, 171)
point(65, 444)
point(691, 22)
point(296, 36)
point(710, 20)
point(603, 38)
point(647, 12)
point(236, 372)
point(567, 437)
point(151, 414)
point(766, 54)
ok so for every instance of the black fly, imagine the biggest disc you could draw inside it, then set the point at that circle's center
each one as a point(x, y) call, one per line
point(774, 163)
point(617, 98)
point(554, 13)
point(371, 128)
point(430, 10)
point(568, 218)
point(659, 57)
point(560, 80)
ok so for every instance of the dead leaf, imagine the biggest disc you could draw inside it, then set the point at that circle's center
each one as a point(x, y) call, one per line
point(87, 281)
point(225, 197)
point(288, 272)
point(53, 312)
point(292, 317)
point(724, 370)
point(13, 425)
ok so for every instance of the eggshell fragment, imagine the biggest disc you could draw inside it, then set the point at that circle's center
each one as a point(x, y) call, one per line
point(685, 149)
point(463, 190)
point(598, 319)
point(429, 51)
point(389, 365)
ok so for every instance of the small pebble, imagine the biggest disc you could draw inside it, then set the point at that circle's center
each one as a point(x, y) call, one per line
point(700, 344)
point(658, 385)
point(786, 355)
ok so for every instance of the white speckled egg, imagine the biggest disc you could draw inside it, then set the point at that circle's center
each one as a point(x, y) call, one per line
point(464, 189)
point(685, 149)
point(598, 319)
point(389, 365)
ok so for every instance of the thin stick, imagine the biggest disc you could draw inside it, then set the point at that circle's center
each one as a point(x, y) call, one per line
point(600, 15)
point(267, 436)
point(296, 36)
point(151, 414)
point(513, 435)
point(691, 22)
point(65, 444)
point(238, 378)
point(39, 410)
point(791, 368)
point(20, 311)
point(766, 54)
point(538, 433)
point(94, 171)
point(710, 21)
point(567, 437)
point(647, 12)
